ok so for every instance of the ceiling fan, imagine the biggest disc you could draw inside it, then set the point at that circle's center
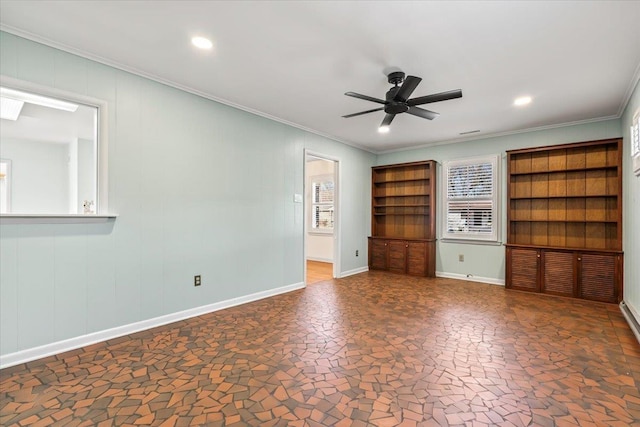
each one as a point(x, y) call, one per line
point(398, 102)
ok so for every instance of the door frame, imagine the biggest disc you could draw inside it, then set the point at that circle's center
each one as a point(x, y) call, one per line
point(336, 207)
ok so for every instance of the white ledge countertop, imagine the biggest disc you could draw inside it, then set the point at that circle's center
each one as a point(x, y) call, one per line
point(55, 218)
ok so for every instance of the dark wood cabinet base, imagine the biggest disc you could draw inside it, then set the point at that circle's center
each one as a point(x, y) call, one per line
point(591, 275)
point(413, 257)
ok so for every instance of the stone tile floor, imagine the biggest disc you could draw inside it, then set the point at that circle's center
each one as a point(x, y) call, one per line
point(375, 349)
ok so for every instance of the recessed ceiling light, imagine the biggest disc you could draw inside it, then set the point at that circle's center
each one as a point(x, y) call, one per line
point(383, 129)
point(202, 43)
point(523, 100)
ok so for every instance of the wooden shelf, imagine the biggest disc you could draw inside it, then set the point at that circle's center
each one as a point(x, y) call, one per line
point(588, 196)
point(580, 258)
point(403, 218)
point(562, 248)
point(578, 169)
point(566, 220)
point(389, 181)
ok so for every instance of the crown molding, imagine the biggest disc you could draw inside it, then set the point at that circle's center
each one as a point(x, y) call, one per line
point(114, 64)
point(627, 96)
point(69, 49)
point(499, 134)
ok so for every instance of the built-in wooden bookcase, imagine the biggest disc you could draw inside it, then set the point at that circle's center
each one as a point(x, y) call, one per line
point(564, 215)
point(403, 218)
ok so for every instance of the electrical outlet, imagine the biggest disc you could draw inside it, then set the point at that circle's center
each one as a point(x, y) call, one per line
point(197, 281)
point(357, 252)
point(461, 257)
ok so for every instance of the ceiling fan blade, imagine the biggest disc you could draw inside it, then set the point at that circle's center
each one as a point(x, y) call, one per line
point(407, 88)
point(436, 97)
point(366, 98)
point(421, 112)
point(387, 120)
point(363, 112)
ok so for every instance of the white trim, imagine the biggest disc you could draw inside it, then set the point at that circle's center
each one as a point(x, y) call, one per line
point(627, 94)
point(471, 242)
point(354, 271)
point(337, 207)
point(96, 58)
point(470, 278)
point(46, 350)
point(497, 134)
point(443, 200)
point(320, 259)
point(632, 317)
point(102, 162)
point(54, 219)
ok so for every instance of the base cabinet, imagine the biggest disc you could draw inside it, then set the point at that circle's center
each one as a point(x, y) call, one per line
point(414, 257)
point(595, 276)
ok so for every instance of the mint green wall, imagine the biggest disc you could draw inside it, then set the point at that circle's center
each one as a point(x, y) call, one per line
point(631, 212)
point(486, 261)
point(199, 187)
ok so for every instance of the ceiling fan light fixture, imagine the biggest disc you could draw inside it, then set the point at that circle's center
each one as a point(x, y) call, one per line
point(523, 100)
point(383, 129)
point(202, 43)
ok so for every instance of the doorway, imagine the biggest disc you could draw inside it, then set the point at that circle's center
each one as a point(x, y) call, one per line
point(321, 217)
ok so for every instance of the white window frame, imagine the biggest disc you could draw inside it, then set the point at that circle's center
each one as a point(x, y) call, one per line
point(493, 237)
point(634, 139)
point(101, 208)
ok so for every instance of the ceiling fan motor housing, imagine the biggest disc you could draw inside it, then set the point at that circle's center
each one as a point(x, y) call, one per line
point(394, 107)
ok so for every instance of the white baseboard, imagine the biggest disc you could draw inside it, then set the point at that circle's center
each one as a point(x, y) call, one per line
point(354, 271)
point(632, 317)
point(46, 350)
point(489, 280)
point(320, 259)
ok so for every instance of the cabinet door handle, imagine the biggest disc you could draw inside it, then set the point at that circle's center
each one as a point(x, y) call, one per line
point(579, 259)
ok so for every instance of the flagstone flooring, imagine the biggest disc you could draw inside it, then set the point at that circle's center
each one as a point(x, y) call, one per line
point(375, 349)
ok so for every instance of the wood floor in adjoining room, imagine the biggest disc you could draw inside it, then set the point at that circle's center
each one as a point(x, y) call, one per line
point(319, 271)
point(374, 349)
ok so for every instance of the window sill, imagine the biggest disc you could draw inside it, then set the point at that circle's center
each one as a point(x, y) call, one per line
point(55, 219)
point(472, 242)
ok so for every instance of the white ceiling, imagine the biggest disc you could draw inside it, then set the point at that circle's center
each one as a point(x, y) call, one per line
point(293, 61)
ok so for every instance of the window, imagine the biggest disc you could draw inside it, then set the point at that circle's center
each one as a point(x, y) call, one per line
point(322, 192)
point(635, 142)
point(49, 151)
point(471, 199)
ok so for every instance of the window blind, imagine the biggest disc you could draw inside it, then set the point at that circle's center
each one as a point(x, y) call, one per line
point(470, 199)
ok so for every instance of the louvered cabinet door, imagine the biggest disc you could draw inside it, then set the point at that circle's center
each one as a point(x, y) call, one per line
point(397, 256)
point(417, 258)
point(599, 276)
point(558, 273)
point(522, 269)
